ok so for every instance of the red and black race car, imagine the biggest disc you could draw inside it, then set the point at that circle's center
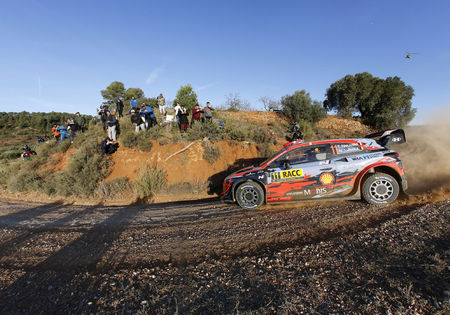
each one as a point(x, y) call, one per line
point(324, 169)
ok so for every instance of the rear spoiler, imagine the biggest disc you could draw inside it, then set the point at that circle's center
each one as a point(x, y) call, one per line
point(389, 137)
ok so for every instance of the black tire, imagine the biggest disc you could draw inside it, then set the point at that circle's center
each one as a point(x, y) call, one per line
point(249, 195)
point(380, 188)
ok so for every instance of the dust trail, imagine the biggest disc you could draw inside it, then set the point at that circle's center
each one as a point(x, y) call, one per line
point(426, 157)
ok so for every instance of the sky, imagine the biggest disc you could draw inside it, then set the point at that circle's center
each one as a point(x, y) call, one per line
point(59, 55)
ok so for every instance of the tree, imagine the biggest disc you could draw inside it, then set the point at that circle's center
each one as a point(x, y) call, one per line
point(299, 107)
point(187, 97)
point(235, 103)
point(269, 103)
point(113, 92)
point(382, 104)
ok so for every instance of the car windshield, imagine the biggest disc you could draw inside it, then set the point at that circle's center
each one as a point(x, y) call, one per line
point(267, 160)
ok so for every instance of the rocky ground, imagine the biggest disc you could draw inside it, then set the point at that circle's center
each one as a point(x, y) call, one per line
point(207, 257)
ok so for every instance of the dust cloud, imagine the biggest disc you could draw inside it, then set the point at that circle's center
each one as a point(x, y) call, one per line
point(426, 157)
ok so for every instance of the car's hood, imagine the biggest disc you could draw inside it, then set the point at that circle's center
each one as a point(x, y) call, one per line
point(248, 168)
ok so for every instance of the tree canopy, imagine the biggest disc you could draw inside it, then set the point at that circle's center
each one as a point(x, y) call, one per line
point(113, 92)
point(300, 107)
point(186, 96)
point(381, 103)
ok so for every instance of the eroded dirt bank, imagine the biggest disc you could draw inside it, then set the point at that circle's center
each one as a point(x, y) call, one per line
point(207, 257)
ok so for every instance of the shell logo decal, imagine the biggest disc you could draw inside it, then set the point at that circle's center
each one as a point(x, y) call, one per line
point(326, 178)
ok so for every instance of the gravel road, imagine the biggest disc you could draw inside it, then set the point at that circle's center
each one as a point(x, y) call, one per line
point(209, 257)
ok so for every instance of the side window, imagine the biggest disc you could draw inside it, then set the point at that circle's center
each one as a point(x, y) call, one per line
point(306, 154)
point(345, 148)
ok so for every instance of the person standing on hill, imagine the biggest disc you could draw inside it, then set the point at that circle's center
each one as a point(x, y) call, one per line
point(208, 111)
point(184, 121)
point(177, 109)
point(119, 105)
point(133, 103)
point(111, 122)
point(63, 132)
point(80, 122)
point(161, 104)
point(196, 114)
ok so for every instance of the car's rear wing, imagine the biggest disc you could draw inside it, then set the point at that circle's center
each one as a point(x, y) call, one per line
point(389, 137)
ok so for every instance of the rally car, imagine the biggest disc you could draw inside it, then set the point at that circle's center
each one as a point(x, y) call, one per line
point(325, 169)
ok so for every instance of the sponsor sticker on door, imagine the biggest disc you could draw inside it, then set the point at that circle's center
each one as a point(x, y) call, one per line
point(285, 175)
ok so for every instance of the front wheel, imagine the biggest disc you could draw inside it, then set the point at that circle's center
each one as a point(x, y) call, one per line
point(249, 195)
point(380, 188)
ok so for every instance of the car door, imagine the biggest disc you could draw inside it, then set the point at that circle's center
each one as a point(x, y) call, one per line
point(296, 175)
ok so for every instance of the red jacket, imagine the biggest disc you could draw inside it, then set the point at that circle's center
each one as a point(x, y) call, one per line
point(197, 113)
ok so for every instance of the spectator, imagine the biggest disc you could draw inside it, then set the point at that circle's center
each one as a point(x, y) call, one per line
point(108, 146)
point(196, 114)
point(177, 109)
point(119, 105)
point(80, 122)
point(208, 111)
point(161, 104)
point(102, 114)
point(150, 117)
point(137, 121)
point(143, 116)
point(72, 127)
point(133, 103)
point(111, 122)
point(184, 121)
point(55, 131)
point(63, 132)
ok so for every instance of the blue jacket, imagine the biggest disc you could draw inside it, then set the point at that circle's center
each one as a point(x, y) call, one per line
point(134, 103)
point(62, 129)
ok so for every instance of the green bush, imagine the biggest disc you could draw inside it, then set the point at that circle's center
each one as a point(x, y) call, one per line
point(233, 132)
point(143, 143)
point(150, 181)
point(265, 151)
point(299, 107)
point(25, 181)
point(211, 153)
point(129, 139)
point(64, 146)
point(113, 187)
point(10, 154)
point(260, 134)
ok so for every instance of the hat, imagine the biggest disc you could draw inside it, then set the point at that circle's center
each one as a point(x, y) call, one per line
point(132, 110)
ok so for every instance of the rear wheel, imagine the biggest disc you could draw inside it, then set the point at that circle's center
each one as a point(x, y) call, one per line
point(249, 195)
point(380, 188)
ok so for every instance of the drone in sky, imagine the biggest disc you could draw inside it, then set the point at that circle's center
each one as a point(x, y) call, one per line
point(409, 54)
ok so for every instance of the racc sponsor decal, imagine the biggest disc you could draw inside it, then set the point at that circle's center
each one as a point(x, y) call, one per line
point(289, 174)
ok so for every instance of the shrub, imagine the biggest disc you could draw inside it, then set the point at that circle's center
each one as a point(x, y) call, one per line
point(25, 181)
point(163, 141)
point(10, 154)
point(154, 132)
point(211, 153)
point(150, 181)
point(260, 134)
point(265, 151)
point(63, 147)
point(110, 188)
point(143, 143)
point(299, 107)
point(234, 133)
point(129, 138)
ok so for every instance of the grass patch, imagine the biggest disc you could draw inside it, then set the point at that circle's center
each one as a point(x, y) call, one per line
point(150, 181)
point(113, 187)
point(211, 153)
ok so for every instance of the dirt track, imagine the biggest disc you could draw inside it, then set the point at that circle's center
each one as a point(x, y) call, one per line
point(208, 257)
